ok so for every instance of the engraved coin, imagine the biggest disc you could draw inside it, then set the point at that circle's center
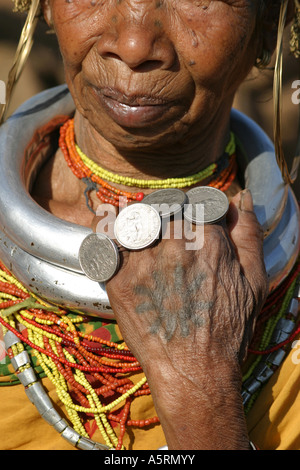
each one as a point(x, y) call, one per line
point(98, 257)
point(206, 205)
point(137, 226)
point(167, 202)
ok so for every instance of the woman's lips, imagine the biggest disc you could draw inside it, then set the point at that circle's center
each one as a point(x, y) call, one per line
point(131, 111)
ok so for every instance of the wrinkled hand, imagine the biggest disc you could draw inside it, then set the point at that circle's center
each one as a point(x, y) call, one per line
point(172, 302)
point(188, 316)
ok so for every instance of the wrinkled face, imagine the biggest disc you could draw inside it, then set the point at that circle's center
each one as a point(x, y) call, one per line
point(161, 69)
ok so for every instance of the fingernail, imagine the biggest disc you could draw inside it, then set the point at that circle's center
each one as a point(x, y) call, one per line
point(246, 201)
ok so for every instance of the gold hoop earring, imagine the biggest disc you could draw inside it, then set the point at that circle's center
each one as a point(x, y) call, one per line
point(23, 50)
point(22, 5)
point(265, 59)
point(288, 177)
point(295, 32)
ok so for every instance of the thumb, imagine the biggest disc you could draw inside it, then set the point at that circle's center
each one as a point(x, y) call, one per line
point(247, 236)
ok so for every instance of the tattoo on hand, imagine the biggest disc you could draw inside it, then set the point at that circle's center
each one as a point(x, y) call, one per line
point(187, 314)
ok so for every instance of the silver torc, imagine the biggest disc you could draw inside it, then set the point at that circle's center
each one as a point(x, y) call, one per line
point(137, 226)
point(167, 202)
point(41, 250)
point(98, 257)
point(206, 205)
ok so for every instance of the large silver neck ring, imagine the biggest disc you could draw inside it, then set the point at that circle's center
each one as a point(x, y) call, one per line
point(41, 250)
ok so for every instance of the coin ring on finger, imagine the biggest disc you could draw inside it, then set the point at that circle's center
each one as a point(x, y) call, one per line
point(99, 257)
point(137, 226)
point(212, 202)
point(167, 202)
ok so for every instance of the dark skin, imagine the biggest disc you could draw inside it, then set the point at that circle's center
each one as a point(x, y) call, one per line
point(187, 315)
point(193, 314)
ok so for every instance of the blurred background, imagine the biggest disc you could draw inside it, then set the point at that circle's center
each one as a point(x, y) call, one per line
point(44, 70)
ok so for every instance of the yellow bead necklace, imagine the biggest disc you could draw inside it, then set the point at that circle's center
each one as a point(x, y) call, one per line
point(47, 332)
point(155, 184)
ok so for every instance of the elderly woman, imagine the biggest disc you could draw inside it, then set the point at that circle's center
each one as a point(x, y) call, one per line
point(172, 342)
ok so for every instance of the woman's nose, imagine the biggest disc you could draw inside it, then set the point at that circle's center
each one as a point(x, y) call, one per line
point(140, 46)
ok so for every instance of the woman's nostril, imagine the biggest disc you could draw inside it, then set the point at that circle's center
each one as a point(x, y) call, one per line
point(147, 66)
point(140, 49)
point(111, 55)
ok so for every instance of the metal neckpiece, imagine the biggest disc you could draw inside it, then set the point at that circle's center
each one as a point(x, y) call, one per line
point(42, 250)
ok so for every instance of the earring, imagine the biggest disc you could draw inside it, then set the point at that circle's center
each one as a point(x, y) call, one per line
point(288, 177)
point(263, 61)
point(295, 32)
point(22, 5)
point(23, 50)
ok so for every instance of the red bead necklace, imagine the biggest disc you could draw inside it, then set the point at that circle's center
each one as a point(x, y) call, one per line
point(105, 192)
point(108, 193)
point(107, 367)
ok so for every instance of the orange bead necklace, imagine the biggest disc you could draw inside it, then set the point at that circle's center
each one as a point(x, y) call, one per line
point(224, 173)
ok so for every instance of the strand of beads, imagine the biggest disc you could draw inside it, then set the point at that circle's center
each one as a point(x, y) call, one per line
point(227, 176)
point(274, 309)
point(278, 325)
point(183, 182)
point(97, 178)
point(53, 369)
point(83, 373)
point(106, 193)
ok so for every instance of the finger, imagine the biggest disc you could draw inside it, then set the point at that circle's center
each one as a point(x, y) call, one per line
point(246, 235)
point(103, 222)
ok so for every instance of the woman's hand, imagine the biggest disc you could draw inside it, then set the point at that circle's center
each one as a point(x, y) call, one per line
point(188, 316)
point(167, 295)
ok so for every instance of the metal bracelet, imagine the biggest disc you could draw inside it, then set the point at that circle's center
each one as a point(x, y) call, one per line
point(275, 358)
point(40, 399)
point(37, 395)
point(10, 339)
point(282, 331)
point(252, 446)
point(52, 417)
point(20, 360)
point(252, 385)
point(262, 372)
point(70, 435)
point(87, 444)
point(293, 307)
point(60, 425)
point(27, 377)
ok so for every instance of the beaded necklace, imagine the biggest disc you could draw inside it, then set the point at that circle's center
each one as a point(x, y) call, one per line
point(96, 178)
point(276, 327)
point(96, 377)
point(85, 369)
